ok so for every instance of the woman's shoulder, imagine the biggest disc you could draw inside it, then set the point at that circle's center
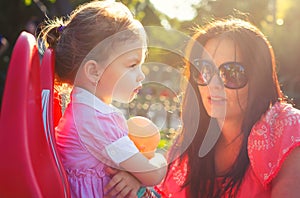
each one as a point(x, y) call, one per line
point(272, 138)
point(283, 112)
point(274, 125)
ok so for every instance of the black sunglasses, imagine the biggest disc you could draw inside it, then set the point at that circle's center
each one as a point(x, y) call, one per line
point(232, 74)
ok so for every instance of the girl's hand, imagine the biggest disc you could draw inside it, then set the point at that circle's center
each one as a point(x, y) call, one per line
point(122, 184)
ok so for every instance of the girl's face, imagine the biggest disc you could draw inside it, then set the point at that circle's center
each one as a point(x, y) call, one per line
point(221, 102)
point(121, 80)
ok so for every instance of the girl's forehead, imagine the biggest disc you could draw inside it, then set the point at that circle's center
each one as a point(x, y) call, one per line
point(131, 51)
point(129, 46)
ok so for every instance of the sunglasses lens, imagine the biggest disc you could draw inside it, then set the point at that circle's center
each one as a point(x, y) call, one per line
point(203, 73)
point(233, 75)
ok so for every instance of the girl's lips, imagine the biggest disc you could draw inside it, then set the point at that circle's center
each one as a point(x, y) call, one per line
point(137, 90)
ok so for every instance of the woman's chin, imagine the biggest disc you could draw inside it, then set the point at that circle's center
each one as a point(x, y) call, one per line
point(217, 114)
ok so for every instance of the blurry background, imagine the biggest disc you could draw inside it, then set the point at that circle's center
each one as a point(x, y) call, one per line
point(160, 100)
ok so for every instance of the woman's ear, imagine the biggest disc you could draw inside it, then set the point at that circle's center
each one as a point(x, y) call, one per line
point(93, 71)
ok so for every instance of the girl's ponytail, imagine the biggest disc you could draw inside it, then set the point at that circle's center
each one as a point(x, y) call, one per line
point(51, 32)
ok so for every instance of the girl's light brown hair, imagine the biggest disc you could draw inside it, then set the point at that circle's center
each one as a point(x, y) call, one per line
point(73, 38)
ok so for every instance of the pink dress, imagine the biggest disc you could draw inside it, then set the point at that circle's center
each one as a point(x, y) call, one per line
point(90, 136)
point(271, 140)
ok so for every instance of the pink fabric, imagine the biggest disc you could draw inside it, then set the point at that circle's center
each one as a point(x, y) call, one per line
point(271, 140)
point(81, 136)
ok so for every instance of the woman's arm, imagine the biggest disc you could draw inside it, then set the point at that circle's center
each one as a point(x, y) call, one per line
point(149, 172)
point(286, 183)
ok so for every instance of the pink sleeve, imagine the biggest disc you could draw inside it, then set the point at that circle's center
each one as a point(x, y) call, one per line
point(97, 130)
point(272, 139)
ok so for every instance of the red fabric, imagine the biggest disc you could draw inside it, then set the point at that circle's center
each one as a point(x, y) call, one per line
point(171, 187)
point(271, 140)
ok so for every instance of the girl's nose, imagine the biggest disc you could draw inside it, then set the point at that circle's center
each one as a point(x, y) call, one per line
point(141, 75)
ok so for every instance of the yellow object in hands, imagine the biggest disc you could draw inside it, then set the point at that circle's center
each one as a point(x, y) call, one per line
point(145, 135)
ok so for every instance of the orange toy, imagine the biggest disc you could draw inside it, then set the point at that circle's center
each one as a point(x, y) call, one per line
point(145, 135)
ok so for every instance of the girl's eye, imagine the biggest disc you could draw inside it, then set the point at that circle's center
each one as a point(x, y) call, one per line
point(133, 65)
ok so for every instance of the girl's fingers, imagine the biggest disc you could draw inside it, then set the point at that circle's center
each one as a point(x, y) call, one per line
point(119, 188)
point(112, 183)
point(132, 194)
point(122, 184)
point(125, 191)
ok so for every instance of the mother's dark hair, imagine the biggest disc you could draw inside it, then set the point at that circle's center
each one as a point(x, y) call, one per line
point(263, 91)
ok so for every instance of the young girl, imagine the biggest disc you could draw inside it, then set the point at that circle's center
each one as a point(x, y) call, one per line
point(99, 50)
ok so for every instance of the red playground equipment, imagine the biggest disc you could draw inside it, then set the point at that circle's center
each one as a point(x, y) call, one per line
point(29, 164)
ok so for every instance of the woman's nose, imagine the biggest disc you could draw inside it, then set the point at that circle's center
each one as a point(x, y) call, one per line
point(216, 81)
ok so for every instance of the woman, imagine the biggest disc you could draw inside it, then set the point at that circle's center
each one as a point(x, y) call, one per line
point(257, 153)
point(240, 138)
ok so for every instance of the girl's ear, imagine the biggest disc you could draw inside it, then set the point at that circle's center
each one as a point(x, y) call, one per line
point(93, 71)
